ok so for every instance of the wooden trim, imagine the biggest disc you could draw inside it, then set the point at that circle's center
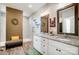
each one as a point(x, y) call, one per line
point(76, 19)
point(68, 6)
point(14, 9)
point(58, 22)
point(47, 23)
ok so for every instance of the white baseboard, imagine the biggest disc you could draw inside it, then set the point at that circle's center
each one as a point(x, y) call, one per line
point(2, 43)
point(26, 40)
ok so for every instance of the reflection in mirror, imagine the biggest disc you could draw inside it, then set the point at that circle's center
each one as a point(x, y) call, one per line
point(44, 23)
point(68, 19)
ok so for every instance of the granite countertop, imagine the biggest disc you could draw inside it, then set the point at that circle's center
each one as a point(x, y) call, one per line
point(71, 40)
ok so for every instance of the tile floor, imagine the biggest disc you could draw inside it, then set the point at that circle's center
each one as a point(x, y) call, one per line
point(20, 50)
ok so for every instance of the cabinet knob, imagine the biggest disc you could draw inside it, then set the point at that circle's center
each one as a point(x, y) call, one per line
point(43, 40)
point(56, 49)
point(43, 45)
point(59, 50)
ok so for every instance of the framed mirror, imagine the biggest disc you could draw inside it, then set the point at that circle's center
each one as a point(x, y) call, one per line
point(67, 20)
point(44, 23)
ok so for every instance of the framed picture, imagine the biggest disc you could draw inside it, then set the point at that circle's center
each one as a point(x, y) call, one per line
point(53, 22)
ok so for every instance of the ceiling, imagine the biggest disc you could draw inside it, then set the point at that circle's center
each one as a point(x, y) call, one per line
point(24, 7)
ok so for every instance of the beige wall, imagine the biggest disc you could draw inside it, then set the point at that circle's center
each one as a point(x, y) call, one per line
point(11, 29)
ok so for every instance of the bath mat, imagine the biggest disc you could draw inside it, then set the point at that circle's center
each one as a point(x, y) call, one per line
point(33, 51)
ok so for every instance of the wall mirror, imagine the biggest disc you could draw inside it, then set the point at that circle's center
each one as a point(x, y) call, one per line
point(44, 23)
point(68, 20)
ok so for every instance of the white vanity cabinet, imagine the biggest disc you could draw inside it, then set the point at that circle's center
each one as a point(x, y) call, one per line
point(52, 47)
point(40, 44)
point(59, 48)
point(37, 43)
point(44, 45)
point(52, 50)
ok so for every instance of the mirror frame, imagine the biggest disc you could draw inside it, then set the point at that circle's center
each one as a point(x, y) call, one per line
point(76, 19)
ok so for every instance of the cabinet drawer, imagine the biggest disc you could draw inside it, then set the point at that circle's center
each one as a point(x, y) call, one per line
point(37, 43)
point(53, 51)
point(36, 38)
point(44, 45)
point(57, 51)
point(69, 48)
point(44, 48)
point(44, 41)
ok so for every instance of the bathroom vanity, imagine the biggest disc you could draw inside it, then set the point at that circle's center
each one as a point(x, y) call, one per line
point(56, 45)
point(66, 42)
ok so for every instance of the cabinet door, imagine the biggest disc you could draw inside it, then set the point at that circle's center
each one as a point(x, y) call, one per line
point(37, 43)
point(69, 48)
point(53, 50)
point(63, 52)
point(44, 44)
point(44, 48)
